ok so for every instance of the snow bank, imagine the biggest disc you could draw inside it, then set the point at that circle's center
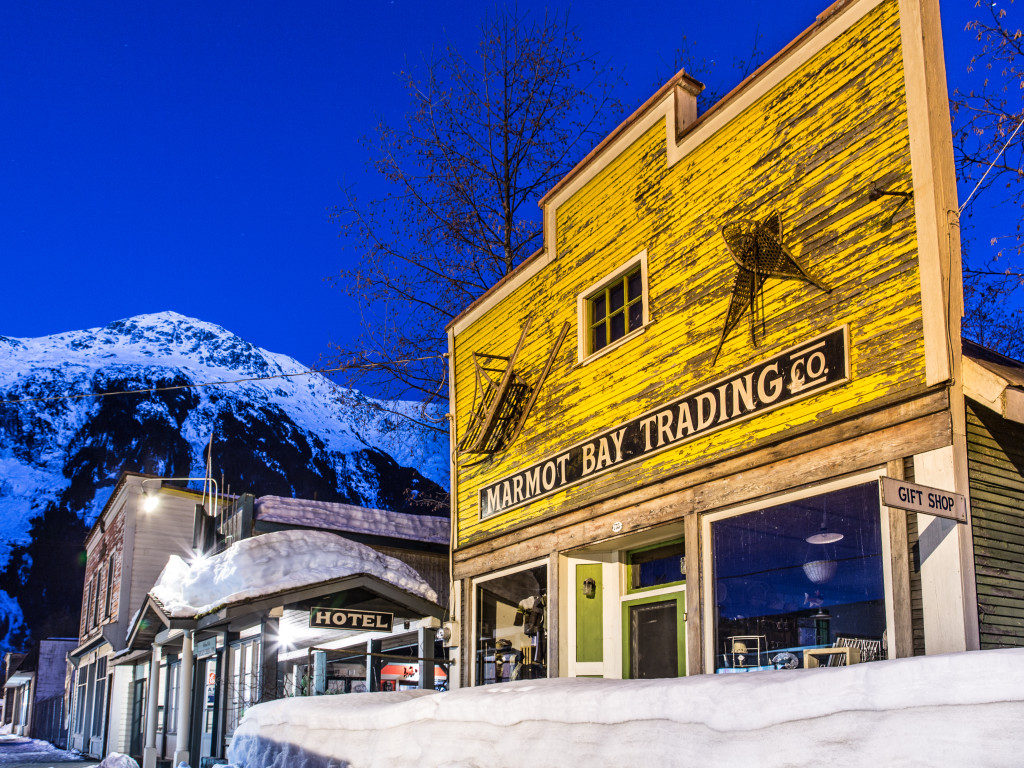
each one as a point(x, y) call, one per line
point(960, 709)
point(118, 760)
point(21, 750)
point(272, 563)
point(346, 517)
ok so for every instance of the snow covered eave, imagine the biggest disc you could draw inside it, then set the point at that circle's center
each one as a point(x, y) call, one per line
point(19, 679)
point(149, 621)
point(394, 599)
point(994, 381)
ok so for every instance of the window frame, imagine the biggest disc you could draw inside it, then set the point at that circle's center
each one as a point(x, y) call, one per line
point(583, 299)
point(478, 582)
point(786, 497)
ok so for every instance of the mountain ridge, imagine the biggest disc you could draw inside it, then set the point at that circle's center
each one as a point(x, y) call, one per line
point(63, 444)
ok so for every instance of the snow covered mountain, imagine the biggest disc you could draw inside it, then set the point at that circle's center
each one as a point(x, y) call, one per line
point(296, 436)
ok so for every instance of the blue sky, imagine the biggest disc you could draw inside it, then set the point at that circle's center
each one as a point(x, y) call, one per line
point(159, 156)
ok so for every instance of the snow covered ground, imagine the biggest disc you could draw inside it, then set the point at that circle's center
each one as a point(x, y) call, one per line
point(963, 709)
point(18, 750)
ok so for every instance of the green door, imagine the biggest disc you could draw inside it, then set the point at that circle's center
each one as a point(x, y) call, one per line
point(654, 636)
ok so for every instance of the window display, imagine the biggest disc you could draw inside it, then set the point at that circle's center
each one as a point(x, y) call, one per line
point(797, 577)
point(511, 627)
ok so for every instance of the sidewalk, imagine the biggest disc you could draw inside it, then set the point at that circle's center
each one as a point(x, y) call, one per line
point(22, 752)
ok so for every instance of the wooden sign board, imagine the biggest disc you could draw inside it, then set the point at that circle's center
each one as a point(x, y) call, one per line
point(922, 498)
point(341, 618)
point(204, 648)
point(817, 364)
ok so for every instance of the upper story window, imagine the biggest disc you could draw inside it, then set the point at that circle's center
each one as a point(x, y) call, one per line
point(614, 308)
point(110, 584)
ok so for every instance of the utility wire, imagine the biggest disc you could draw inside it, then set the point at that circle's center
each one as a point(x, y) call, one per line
point(200, 385)
point(990, 165)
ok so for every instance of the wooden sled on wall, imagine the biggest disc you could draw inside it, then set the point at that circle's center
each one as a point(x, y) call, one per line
point(502, 399)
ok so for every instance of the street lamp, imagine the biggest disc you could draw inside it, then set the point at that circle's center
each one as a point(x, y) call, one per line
point(151, 501)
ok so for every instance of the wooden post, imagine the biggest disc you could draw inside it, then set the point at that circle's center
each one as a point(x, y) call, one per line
point(270, 631)
point(373, 664)
point(901, 635)
point(319, 673)
point(426, 637)
point(184, 699)
point(149, 752)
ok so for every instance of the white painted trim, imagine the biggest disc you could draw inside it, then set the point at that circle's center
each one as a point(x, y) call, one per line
point(992, 391)
point(679, 586)
point(935, 196)
point(707, 570)
point(783, 68)
point(584, 296)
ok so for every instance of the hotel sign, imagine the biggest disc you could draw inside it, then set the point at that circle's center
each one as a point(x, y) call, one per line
point(342, 618)
point(801, 371)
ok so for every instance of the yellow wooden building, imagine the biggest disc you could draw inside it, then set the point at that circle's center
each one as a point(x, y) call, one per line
point(672, 420)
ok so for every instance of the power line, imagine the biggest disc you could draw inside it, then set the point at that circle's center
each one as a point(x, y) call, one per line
point(200, 385)
point(991, 165)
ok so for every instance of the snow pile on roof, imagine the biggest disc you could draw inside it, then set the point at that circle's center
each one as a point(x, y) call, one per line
point(346, 517)
point(272, 563)
point(959, 709)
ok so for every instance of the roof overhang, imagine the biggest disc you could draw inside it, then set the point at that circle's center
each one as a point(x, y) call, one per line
point(994, 381)
point(19, 679)
point(150, 621)
point(88, 646)
point(359, 590)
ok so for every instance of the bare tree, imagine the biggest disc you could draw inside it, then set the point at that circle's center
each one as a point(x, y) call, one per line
point(718, 80)
point(487, 135)
point(989, 148)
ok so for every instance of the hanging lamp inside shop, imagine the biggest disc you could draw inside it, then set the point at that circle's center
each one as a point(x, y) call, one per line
point(821, 564)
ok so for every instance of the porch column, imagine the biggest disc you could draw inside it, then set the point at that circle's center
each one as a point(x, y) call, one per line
point(184, 699)
point(427, 635)
point(149, 754)
point(269, 651)
point(319, 673)
point(373, 664)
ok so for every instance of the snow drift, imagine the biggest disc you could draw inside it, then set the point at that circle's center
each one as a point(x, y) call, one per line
point(283, 560)
point(959, 709)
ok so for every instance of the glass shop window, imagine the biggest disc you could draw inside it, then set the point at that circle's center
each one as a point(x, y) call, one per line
point(800, 584)
point(511, 627)
point(657, 566)
point(243, 681)
point(173, 674)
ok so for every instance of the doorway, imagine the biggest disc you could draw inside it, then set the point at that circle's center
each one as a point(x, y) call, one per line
point(654, 636)
point(138, 718)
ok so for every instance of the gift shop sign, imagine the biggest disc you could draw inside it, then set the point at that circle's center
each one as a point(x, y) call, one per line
point(922, 498)
point(801, 371)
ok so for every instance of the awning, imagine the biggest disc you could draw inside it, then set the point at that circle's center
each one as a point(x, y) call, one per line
point(359, 591)
point(994, 381)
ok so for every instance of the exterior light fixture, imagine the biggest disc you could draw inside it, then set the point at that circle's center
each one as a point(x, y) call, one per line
point(152, 500)
point(589, 589)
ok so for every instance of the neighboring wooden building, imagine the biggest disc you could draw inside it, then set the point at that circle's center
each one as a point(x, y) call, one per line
point(125, 552)
point(34, 691)
point(672, 420)
point(210, 668)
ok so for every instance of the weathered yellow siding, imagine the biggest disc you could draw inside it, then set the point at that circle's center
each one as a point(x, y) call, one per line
point(809, 148)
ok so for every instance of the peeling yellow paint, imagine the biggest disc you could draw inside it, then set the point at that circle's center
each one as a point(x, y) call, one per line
point(809, 149)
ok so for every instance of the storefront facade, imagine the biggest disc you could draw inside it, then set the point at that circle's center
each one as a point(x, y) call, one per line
point(672, 420)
